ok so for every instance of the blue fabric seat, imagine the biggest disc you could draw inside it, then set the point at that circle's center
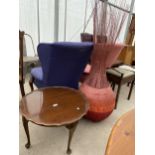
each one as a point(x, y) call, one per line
point(62, 64)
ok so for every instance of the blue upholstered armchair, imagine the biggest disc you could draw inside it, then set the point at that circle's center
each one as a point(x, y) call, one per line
point(62, 64)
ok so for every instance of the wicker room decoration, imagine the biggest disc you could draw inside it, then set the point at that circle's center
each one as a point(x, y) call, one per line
point(107, 24)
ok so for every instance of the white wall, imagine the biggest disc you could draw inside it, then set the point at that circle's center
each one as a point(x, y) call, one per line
point(75, 20)
point(28, 22)
point(46, 13)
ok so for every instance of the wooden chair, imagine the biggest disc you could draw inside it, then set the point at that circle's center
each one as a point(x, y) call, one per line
point(121, 75)
point(24, 60)
point(21, 75)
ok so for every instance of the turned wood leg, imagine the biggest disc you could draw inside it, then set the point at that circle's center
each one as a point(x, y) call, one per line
point(25, 124)
point(132, 84)
point(71, 129)
point(31, 83)
point(22, 88)
point(117, 96)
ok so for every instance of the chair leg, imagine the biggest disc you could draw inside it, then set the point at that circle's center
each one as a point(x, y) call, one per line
point(22, 88)
point(113, 86)
point(31, 83)
point(117, 96)
point(128, 84)
point(132, 84)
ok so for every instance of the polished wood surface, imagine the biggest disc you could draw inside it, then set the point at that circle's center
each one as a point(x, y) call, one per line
point(54, 106)
point(127, 55)
point(122, 137)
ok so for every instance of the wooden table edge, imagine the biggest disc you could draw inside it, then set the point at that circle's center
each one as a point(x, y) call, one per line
point(57, 125)
point(113, 129)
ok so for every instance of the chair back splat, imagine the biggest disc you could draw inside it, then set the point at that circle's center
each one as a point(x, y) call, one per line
point(63, 63)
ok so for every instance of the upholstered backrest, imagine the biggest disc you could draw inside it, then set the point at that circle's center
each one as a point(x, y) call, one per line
point(63, 62)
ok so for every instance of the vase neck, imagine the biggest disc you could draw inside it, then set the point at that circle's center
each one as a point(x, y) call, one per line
point(97, 80)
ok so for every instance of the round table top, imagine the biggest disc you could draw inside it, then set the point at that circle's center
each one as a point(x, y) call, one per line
point(54, 106)
point(122, 137)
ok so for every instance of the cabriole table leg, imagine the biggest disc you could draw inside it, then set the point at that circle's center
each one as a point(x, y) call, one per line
point(71, 129)
point(25, 124)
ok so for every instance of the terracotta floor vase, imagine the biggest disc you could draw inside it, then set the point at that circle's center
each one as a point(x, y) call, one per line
point(96, 87)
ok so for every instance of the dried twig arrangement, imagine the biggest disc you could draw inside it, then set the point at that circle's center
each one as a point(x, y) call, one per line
point(108, 21)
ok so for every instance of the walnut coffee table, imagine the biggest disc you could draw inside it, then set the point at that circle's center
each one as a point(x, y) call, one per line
point(53, 106)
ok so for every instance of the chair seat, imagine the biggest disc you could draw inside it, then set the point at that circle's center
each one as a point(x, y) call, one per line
point(118, 71)
point(126, 67)
point(28, 59)
point(37, 73)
